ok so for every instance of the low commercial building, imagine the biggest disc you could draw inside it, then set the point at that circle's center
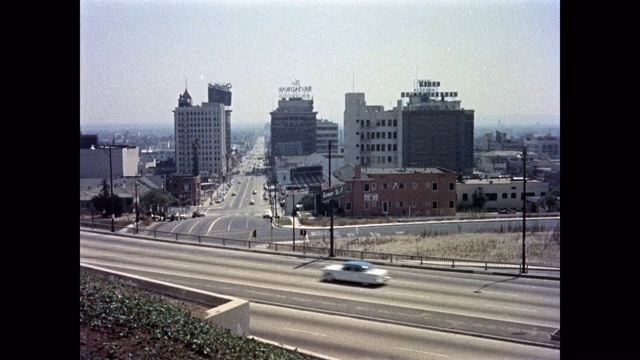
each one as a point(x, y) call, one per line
point(501, 193)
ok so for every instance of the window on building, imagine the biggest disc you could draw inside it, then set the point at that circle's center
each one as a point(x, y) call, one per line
point(388, 158)
point(414, 204)
point(397, 205)
point(513, 195)
point(347, 187)
point(366, 187)
point(373, 187)
point(414, 186)
point(504, 195)
point(401, 186)
point(452, 204)
point(395, 123)
point(384, 186)
point(347, 206)
point(373, 204)
point(366, 205)
point(434, 205)
point(452, 186)
point(434, 186)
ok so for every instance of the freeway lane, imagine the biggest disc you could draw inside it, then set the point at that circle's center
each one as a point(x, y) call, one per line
point(522, 309)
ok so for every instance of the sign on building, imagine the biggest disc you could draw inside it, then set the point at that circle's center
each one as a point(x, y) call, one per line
point(332, 193)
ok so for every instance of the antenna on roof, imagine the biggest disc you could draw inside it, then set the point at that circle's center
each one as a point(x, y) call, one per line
point(185, 83)
point(353, 85)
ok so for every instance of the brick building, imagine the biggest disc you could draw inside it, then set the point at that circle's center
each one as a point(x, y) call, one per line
point(409, 192)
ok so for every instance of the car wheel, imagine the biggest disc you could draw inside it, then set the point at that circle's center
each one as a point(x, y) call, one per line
point(328, 277)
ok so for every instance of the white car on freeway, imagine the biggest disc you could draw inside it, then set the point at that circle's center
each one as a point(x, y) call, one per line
point(356, 271)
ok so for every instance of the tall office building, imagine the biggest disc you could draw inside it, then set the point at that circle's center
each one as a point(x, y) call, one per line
point(436, 131)
point(326, 131)
point(372, 135)
point(293, 123)
point(431, 130)
point(201, 134)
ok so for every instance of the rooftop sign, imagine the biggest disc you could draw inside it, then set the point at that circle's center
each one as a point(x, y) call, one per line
point(295, 91)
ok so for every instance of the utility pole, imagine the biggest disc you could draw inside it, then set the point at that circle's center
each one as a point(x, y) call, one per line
point(331, 254)
point(524, 205)
point(293, 217)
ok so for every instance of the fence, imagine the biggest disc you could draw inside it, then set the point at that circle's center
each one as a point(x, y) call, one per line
point(324, 251)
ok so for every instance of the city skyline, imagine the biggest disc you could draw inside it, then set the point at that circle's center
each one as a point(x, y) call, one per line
point(502, 57)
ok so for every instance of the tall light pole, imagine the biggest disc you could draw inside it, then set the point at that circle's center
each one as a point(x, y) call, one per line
point(524, 206)
point(113, 207)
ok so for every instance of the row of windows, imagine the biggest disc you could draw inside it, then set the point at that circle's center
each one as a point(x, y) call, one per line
point(368, 135)
point(203, 159)
point(494, 196)
point(368, 160)
point(398, 186)
point(378, 147)
point(204, 122)
point(401, 205)
point(379, 122)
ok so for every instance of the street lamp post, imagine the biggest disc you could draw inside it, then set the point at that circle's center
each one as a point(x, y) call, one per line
point(113, 207)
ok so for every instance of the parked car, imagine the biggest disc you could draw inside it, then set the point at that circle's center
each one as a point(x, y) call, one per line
point(233, 193)
point(266, 214)
point(197, 213)
point(354, 271)
point(251, 202)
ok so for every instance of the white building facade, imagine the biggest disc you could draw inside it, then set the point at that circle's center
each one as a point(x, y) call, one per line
point(500, 193)
point(98, 163)
point(371, 133)
point(200, 135)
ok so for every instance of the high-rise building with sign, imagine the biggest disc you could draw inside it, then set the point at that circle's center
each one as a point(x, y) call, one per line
point(201, 135)
point(431, 130)
point(293, 123)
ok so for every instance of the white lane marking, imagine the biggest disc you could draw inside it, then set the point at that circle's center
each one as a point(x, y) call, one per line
point(308, 332)
point(422, 352)
point(513, 307)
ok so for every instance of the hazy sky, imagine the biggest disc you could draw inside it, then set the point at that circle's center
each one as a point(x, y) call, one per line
point(137, 57)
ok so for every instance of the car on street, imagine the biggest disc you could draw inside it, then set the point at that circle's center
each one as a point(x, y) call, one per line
point(355, 271)
point(233, 193)
point(254, 192)
point(251, 202)
point(266, 214)
point(197, 213)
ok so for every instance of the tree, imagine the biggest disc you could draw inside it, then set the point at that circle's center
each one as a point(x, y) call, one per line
point(102, 201)
point(156, 200)
point(479, 199)
point(549, 202)
point(196, 146)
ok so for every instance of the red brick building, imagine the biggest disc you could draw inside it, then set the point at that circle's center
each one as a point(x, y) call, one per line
point(184, 188)
point(397, 192)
